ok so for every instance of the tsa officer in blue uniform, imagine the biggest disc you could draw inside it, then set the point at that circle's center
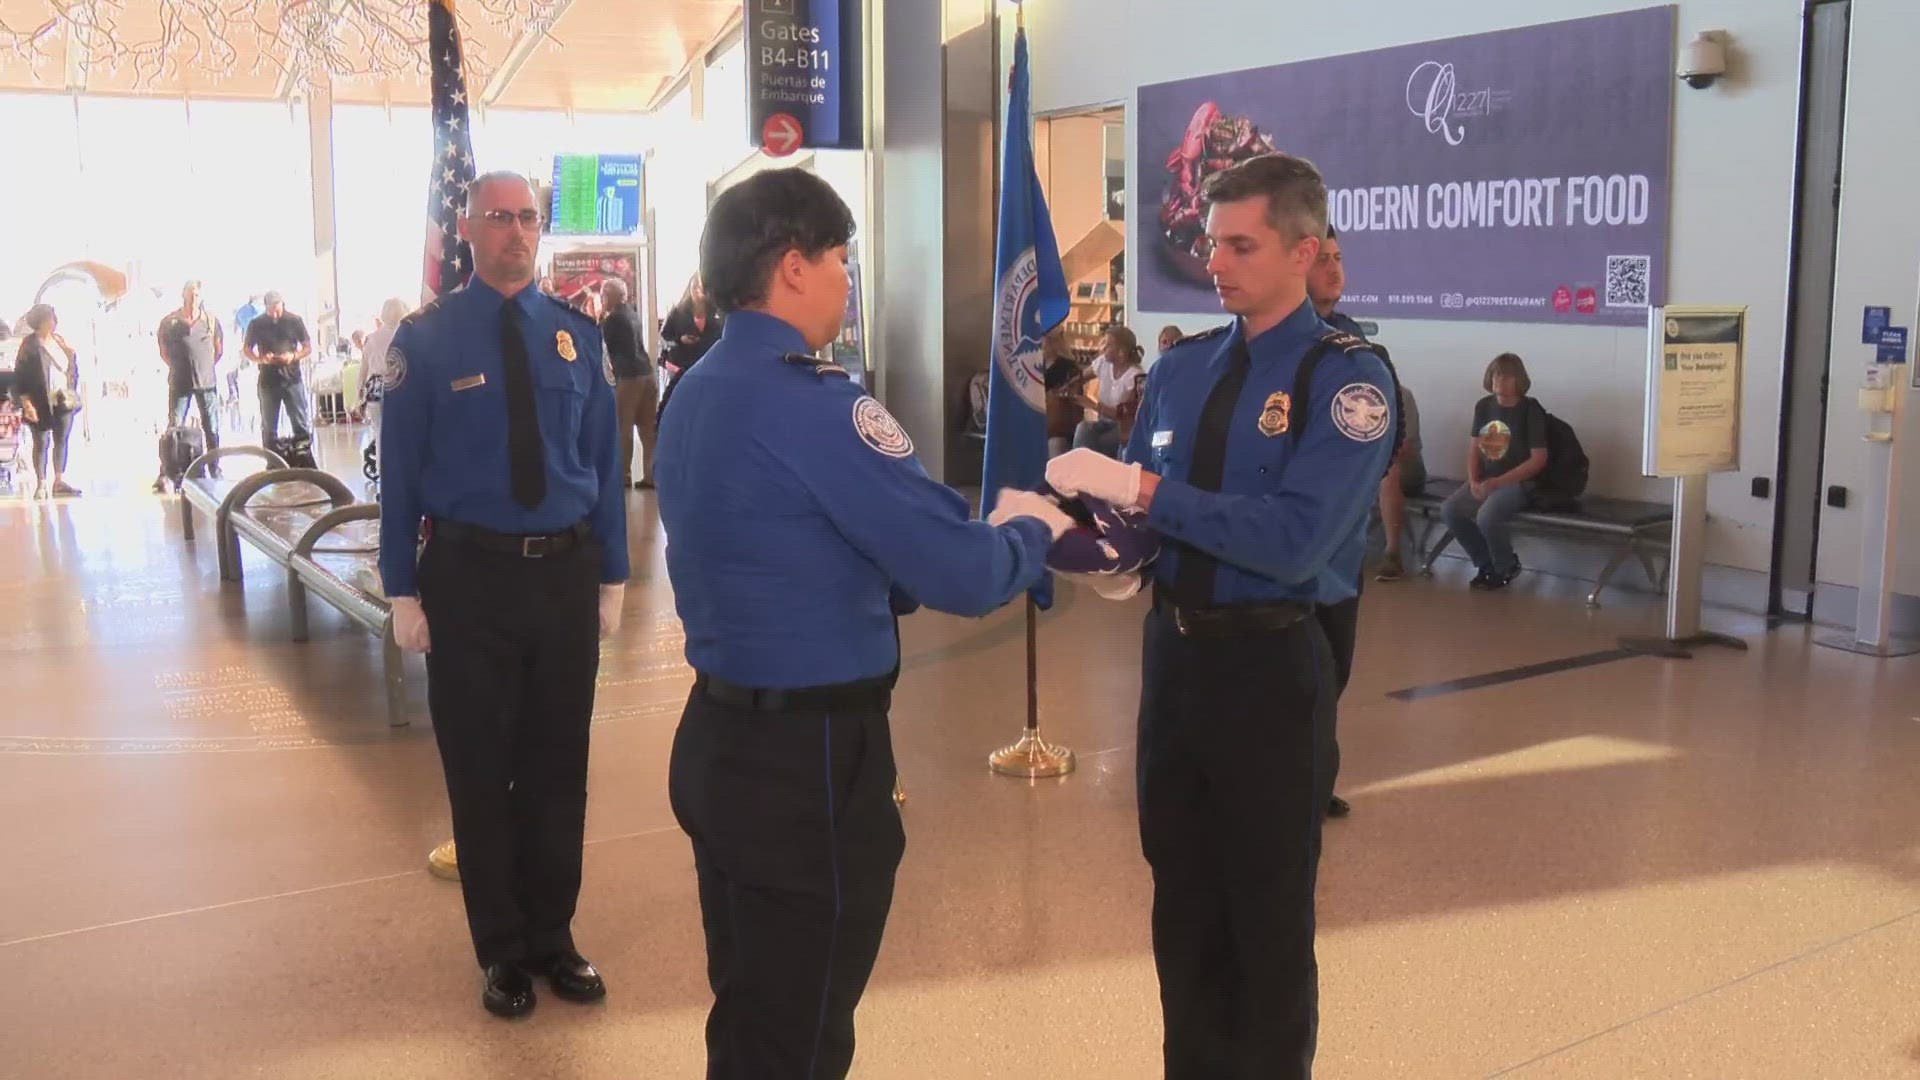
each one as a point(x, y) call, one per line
point(799, 527)
point(1326, 284)
point(498, 433)
point(1257, 482)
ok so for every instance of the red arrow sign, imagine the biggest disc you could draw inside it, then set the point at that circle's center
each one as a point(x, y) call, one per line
point(781, 136)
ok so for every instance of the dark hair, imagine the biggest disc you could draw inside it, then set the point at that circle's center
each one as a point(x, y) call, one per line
point(755, 223)
point(1332, 233)
point(38, 316)
point(1296, 195)
point(1508, 364)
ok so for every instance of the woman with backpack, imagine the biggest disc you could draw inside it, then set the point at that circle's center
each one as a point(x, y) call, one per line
point(1505, 460)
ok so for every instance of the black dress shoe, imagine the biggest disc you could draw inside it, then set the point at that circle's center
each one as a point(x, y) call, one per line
point(509, 991)
point(1338, 807)
point(572, 978)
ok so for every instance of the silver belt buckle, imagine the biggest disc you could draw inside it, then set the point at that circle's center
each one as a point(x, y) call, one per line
point(526, 548)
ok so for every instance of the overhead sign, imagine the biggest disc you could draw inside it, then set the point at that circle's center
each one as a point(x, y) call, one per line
point(1694, 369)
point(803, 68)
point(1514, 176)
point(596, 194)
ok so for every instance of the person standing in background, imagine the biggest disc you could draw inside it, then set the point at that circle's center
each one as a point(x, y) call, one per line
point(638, 389)
point(47, 386)
point(692, 328)
point(278, 343)
point(192, 344)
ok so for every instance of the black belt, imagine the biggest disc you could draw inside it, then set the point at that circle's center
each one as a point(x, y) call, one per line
point(1206, 622)
point(498, 543)
point(874, 695)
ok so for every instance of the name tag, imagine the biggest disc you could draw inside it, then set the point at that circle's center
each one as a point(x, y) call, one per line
point(469, 383)
point(1162, 440)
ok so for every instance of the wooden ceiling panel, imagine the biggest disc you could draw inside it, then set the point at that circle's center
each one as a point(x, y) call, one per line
point(602, 55)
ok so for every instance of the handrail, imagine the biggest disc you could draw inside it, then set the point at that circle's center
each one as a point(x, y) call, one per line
point(198, 470)
point(305, 546)
point(337, 492)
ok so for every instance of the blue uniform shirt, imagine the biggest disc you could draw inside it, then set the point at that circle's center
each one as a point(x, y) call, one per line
point(1340, 320)
point(799, 522)
point(443, 428)
point(1285, 513)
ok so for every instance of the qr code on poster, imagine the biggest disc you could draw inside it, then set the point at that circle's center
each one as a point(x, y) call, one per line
point(1627, 278)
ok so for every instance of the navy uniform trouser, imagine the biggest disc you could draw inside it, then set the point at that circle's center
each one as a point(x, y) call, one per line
point(796, 839)
point(516, 651)
point(1341, 624)
point(1235, 769)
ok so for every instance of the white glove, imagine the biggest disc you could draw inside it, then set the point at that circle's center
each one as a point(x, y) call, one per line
point(1014, 503)
point(1090, 472)
point(612, 598)
point(410, 624)
point(1116, 586)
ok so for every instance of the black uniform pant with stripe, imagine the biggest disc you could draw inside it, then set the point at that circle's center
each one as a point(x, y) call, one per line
point(1341, 623)
point(1235, 768)
point(516, 651)
point(796, 839)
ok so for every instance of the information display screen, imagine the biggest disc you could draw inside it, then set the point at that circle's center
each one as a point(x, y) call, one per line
point(596, 194)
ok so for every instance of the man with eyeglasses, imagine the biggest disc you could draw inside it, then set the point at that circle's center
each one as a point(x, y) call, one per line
point(278, 343)
point(497, 432)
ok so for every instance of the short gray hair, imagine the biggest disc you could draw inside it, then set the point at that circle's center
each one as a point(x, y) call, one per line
point(1296, 195)
point(614, 291)
point(273, 297)
point(497, 176)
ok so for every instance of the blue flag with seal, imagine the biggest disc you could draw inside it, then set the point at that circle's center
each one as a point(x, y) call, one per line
point(1030, 299)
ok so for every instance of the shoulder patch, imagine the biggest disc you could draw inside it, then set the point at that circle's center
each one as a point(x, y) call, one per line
point(396, 373)
point(1360, 412)
point(422, 311)
point(606, 368)
point(820, 367)
point(878, 429)
point(1204, 335)
point(1347, 343)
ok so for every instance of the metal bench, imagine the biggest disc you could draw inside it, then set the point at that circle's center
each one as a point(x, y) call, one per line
point(1635, 530)
point(199, 490)
point(269, 510)
point(336, 560)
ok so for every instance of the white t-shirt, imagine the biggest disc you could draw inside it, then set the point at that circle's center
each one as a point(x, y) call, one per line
point(374, 357)
point(1116, 389)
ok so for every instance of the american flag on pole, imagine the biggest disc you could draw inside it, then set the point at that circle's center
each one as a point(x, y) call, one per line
point(448, 259)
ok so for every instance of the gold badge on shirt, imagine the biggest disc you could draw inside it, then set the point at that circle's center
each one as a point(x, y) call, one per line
point(564, 342)
point(1276, 414)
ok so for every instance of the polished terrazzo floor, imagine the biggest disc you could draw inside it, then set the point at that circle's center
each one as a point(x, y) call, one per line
point(213, 859)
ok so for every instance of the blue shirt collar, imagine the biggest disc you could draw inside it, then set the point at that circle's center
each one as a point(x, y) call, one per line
point(491, 298)
point(1286, 339)
point(746, 327)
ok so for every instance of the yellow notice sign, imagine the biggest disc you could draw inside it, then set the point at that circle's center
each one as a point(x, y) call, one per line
point(1694, 370)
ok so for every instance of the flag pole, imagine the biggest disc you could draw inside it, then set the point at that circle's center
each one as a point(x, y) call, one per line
point(1031, 757)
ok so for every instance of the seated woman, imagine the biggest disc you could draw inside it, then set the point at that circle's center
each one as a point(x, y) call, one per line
point(1121, 384)
point(1509, 449)
point(1063, 377)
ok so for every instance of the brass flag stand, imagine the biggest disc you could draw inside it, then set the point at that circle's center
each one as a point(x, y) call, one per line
point(1032, 757)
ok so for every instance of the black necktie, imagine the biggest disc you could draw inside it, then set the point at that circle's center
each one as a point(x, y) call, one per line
point(526, 464)
point(1193, 578)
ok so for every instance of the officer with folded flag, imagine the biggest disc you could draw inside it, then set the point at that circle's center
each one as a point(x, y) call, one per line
point(799, 527)
point(1256, 455)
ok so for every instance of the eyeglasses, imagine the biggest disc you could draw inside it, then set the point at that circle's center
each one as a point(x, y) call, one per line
point(527, 219)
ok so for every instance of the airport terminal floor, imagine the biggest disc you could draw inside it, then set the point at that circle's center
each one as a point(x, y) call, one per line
point(215, 847)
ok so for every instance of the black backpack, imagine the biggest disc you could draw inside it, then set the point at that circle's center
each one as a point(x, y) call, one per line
point(1565, 478)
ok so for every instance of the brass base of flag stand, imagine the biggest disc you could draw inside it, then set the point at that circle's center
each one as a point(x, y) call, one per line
point(1032, 757)
point(443, 863)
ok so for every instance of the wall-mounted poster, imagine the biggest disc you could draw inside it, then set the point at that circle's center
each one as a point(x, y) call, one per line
point(1515, 176)
point(575, 274)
